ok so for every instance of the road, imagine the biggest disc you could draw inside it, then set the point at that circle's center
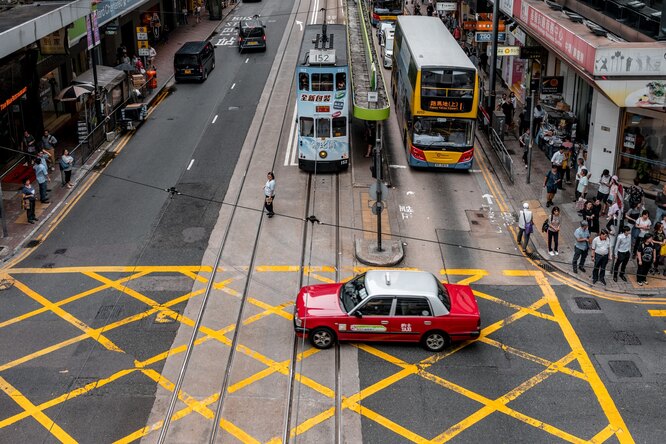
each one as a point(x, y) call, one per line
point(94, 333)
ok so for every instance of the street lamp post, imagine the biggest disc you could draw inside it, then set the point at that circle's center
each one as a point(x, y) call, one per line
point(493, 59)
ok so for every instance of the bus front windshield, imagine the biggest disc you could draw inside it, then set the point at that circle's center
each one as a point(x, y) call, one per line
point(439, 132)
point(388, 6)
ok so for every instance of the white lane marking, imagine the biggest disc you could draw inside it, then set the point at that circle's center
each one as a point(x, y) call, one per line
point(288, 155)
point(315, 11)
point(214, 119)
point(233, 86)
point(397, 166)
point(191, 162)
point(247, 60)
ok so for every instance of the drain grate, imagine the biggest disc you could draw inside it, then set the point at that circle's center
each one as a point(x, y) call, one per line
point(61, 251)
point(625, 369)
point(480, 215)
point(626, 338)
point(587, 303)
point(32, 244)
point(109, 312)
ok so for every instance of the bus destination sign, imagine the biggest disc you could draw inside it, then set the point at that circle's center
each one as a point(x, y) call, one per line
point(448, 105)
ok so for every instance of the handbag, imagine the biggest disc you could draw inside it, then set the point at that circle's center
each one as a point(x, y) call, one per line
point(529, 227)
point(269, 200)
point(580, 204)
point(544, 227)
point(662, 250)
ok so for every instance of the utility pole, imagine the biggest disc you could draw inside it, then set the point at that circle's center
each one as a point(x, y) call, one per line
point(378, 170)
point(493, 59)
point(531, 145)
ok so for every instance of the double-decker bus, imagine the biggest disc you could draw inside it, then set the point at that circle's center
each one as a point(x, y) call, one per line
point(322, 99)
point(384, 10)
point(436, 91)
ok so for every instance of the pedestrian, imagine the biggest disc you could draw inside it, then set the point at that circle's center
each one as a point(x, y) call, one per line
point(616, 193)
point(429, 10)
point(370, 136)
point(197, 13)
point(622, 253)
point(581, 188)
point(48, 144)
point(600, 252)
point(66, 162)
point(525, 225)
point(29, 147)
point(539, 114)
point(524, 141)
point(604, 190)
point(630, 217)
point(523, 121)
point(554, 231)
point(588, 214)
point(635, 193)
point(184, 15)
point(615, 216)
point(125, 58)
point(582, 236)
point(558, 161)
point(643, 225)
point(151, 56)
point(269, 194)
point(660, 203)
point(550, 183)
point(507, 109)
point(596, 216)
point(566, 165)
point(29, 201)
point(644, 256)
point(658, 238)
point(42, 174)
point(138, 64)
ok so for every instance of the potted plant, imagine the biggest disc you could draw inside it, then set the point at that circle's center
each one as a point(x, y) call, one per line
point(657, 92)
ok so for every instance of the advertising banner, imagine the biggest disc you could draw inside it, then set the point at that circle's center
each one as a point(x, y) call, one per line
point(635, 93)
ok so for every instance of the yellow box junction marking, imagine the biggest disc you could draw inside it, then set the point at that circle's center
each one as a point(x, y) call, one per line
point(615, 427)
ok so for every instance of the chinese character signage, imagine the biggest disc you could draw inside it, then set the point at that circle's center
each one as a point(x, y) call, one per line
point(448, 105)
point(54, 43)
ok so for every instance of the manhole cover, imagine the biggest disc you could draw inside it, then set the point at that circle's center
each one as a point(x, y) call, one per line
point(32, 244)
point(109, 312)
point(625, 369)
point(587, 303)
point(61, 251)
point(626, 338)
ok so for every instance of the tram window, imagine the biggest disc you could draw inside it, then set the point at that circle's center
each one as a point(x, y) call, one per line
point(304, 81)
point(341, 81)
point(307, 127)
point(323, 127)
point(339, 127)
point(322, 81)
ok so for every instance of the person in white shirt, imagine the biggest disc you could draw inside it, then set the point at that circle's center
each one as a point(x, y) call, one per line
point(581, 188)
point(600, 251)
point(622, 253)
point(525, 225)
point(558, 160)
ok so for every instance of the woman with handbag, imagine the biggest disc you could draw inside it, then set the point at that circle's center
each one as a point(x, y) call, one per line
point(269, 194)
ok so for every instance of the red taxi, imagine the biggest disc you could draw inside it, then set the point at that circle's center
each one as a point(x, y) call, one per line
point(402, 306)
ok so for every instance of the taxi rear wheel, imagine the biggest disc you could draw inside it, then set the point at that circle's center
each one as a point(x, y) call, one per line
point(322, 338)
point(435, 341)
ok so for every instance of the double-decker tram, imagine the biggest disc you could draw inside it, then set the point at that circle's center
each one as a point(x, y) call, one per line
point(322, 89)
point(436, 92)
point(384, 10)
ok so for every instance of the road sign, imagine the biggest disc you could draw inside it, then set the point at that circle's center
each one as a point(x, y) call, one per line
point(373, 191)
point(142, 33)
point(142, 44)
point(488, 36)
point(503, 51)
point(144, 52)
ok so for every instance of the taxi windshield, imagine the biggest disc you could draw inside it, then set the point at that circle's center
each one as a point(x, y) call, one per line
point(353, 292)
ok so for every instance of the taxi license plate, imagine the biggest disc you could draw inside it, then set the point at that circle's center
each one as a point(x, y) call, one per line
point(188, 71)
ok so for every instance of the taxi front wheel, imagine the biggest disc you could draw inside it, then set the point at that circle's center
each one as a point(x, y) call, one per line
point(435, 341)
point(322, 338)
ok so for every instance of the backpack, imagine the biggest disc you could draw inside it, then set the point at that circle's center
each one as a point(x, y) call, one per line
point(544, 227)
point(647, 253)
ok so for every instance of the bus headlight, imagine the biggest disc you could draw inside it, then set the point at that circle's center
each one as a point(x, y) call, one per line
point(323, 154)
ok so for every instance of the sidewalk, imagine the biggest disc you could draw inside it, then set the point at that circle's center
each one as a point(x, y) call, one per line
point(534, 193)
point(21, 234)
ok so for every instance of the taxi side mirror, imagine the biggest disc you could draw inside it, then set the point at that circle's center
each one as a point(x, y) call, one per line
point(358, 314)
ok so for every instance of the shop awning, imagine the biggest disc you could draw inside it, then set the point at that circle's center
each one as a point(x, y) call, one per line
point(107, 77)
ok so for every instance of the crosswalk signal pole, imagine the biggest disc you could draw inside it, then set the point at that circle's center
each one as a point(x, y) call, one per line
point(378, 170)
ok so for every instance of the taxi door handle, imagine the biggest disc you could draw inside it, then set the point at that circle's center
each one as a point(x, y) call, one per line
point(384, 322)
point(427, 322)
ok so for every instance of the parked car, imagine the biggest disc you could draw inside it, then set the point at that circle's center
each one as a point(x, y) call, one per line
point(401, 306)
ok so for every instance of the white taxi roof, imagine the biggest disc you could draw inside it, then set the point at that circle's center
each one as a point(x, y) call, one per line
point(400, 283)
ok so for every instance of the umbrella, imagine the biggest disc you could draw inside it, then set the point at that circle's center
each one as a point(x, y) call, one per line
point(126, 67)
point(73, 92)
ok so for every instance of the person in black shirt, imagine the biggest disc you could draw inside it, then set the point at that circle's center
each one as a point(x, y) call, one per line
point(644, 256)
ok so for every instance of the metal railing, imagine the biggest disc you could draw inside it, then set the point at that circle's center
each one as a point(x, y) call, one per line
point(502, 153)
